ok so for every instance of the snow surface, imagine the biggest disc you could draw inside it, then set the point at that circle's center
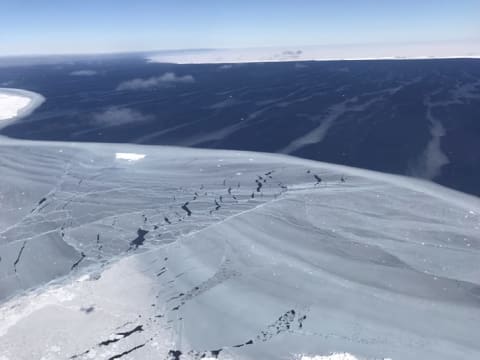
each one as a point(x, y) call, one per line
point(16, 103)
point(129, 156)
point(229, 255)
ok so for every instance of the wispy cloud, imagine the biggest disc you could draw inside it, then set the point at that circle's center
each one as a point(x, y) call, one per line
point(116, 116)
point(83, 73)
point(154, 82)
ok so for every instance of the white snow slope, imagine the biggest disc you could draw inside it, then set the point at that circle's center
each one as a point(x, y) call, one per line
point(270, 264)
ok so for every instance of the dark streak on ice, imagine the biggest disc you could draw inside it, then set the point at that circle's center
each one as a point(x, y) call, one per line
point(282, 324)
point(162, 271)
point(80, 355)
point(259, 185)
point(215, 353)
point(175, 354)
point(82, 256)
point(123, 335)
point(87, 310)
point(184, 207)
point(126, 352)
point(19, 256)
point(39, 203)
point(99, 245)
point(140, 239)
point(176, 297)
point(301, 320)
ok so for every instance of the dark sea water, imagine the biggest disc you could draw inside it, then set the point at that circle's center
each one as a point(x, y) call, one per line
point(413, 117)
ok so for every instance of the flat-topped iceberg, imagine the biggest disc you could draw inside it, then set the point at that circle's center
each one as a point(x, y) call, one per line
point(17, 103)
point(318, 53)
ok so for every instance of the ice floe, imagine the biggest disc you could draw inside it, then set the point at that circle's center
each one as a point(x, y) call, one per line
point(173, 257)
point(17, 103)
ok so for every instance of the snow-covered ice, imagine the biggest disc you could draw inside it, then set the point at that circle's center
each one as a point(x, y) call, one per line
point(16, 103)
point(190, 254)
point(458, 49)
point(10, 105)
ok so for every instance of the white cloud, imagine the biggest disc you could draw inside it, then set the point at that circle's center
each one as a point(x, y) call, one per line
point(115, 116)
point(157, 81)
point(83, 73)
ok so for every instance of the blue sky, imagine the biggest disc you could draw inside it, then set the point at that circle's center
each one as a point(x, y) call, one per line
point(85, 26)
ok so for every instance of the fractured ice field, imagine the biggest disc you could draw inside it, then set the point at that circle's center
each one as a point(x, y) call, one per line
point(151, 252)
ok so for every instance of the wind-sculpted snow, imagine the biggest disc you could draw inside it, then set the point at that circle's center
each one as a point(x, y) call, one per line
point(169, 253)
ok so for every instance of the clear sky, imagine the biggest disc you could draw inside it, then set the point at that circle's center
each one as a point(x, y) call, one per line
point(90, 26)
